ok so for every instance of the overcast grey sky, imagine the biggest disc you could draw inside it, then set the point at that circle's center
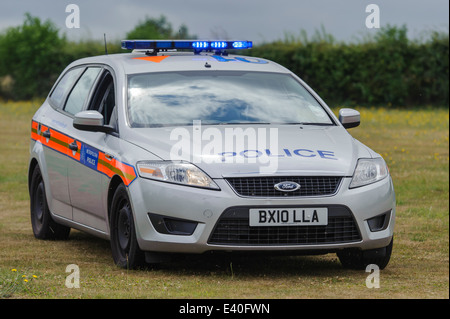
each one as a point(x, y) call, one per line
point(257, 20)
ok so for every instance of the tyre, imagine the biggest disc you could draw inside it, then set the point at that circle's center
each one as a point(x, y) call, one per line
point(44, 227)
point(125, 249)
point(360, 259)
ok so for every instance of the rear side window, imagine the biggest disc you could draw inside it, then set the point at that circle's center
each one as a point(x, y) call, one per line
point(77, 98)
point(64, 85)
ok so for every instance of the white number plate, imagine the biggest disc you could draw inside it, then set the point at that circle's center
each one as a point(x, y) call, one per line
point(289, 216)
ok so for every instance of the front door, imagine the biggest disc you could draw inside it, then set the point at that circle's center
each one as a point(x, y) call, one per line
point(86, 179)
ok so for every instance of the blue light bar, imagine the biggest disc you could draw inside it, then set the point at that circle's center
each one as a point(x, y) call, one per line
point(196, 45)
point(200, 44)
point(218, 44)
point(242, 44)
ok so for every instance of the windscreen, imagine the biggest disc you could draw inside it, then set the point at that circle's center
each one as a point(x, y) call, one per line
point(179, 98)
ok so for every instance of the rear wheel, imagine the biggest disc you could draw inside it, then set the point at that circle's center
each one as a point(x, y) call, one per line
point(360, 259)
point(125, 249)
point(44, 227)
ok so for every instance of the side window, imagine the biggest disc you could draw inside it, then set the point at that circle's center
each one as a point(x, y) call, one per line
point(109, 103)
point(104, 99)
point(80, 92)
point(64, 85)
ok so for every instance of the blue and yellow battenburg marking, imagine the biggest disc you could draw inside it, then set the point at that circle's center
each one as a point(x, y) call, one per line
point(85, 154)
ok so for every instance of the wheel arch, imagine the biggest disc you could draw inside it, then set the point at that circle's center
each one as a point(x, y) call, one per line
point(116, 180)
point(31, 167)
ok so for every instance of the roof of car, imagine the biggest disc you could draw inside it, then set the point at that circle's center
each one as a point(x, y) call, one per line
point(139, 62)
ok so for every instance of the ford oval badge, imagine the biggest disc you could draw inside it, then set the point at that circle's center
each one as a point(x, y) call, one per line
point(287, 186)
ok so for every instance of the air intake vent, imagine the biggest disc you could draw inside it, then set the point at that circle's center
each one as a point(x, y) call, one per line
point(233, 229)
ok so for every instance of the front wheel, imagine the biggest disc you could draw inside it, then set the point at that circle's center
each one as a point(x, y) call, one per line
point(125, 249)
point(44, 227)
point(359, 259)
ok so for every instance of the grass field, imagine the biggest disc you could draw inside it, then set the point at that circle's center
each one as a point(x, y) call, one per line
point(415, 144)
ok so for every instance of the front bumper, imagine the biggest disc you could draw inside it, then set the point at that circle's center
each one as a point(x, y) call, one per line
point(206, 207)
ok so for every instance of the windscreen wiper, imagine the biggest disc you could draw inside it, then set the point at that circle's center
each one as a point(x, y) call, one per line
point(310, 123)
point(240, 123)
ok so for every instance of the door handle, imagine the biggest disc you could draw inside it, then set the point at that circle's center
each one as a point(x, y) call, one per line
point(46, 134)
point(73, 146)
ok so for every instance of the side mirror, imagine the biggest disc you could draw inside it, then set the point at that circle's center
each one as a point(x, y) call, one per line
point(349, 118)
point(91, 121)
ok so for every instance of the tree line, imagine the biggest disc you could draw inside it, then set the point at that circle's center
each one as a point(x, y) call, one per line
point(387, 69)
point(33, 54)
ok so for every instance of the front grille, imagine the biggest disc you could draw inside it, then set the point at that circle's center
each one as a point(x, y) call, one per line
point(233, 229)
point(264, 186)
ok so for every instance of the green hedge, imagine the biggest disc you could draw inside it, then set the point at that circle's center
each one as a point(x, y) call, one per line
point(387, 70)
point(30, 59)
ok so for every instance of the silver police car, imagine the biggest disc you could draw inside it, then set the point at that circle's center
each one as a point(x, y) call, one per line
point(181, 147)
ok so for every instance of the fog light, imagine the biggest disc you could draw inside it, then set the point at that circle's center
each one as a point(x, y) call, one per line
point(172, 226)
point(379, 222)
